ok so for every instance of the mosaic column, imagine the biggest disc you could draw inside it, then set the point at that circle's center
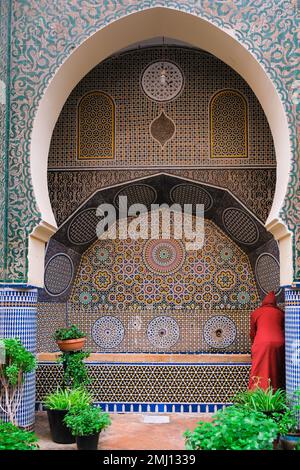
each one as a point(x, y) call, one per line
point(18, 306)
point(292, 339)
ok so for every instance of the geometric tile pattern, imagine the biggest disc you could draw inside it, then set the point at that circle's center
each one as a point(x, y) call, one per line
point(189, 112)
point(191, 194)
point(219, 331)
point(253, 187)
point(276, 23)
point(163, 332)
point(136, 193)
point(225, 331)
point(137, 274)
point(108, 332)
point(164, 255)
point(153, 383)
point(228, 125)
point(180, 330)
point(292, 340)
point(162, 129)
point(162, 81)
point(18, 320)
point(50, 317)
point(58, 274)
point(96, 116)
point(267, 272)
point(82, 229)
point(240, 225)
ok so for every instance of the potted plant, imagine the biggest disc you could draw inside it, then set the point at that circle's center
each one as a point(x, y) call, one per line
point(75, 370)
point(234, 428)
point(18, 362)
point(289, 425)
point(270, 402)
point(69, 338)
point(14, 438)
point(58, 404)
point(86, 424)
point(267, 401)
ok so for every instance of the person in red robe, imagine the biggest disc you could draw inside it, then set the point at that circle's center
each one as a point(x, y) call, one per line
point(267, 351)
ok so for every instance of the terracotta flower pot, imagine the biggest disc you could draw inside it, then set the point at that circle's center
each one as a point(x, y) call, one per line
point(71, 344)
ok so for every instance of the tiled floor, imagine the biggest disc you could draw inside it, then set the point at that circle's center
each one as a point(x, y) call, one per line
point(130, 432)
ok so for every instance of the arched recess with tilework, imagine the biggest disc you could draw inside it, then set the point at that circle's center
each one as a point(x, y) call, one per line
point(144, 25)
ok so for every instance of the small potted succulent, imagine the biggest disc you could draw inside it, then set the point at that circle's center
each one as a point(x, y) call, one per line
point(58, 404)
point(86, 424)
point(69, 338)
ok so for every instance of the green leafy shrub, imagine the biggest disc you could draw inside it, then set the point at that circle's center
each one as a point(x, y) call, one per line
point(18, 361)
point(67, 399)
point(262, 400)
point(71, 332)
point(297, 446)
point(75, 370)
point(13, 438)
point(234, 428)
point(294, 401)
point(282, 409)
point(86, 421)
point(287, 421)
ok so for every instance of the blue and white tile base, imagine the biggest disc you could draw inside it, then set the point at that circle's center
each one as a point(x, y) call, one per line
point(292, 339)
point(154, 387)
point(18, 320)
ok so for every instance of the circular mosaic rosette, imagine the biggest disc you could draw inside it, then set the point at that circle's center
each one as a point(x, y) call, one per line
point(108, 332)
point(162, 81)
point(103, 280)
point(163, 332)
point(163, 256)
point(219, 331)
point(102, 254)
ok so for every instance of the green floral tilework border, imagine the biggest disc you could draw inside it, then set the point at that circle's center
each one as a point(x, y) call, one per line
point(45, 33)
point(4, 49)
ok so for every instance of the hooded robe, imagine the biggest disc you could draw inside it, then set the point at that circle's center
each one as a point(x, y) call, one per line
point(267, 351)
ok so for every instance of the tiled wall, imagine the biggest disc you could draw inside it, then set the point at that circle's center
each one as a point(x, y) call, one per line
point(253, 187)
point(155, 387)
point(292, 339)
point(120, 77)
point(117, 294)
point(4, 121)
point(155, 295)
point(261, 28)
point(18, 319)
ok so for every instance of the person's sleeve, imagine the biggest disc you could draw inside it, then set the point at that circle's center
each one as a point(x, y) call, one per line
point(252, 328)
